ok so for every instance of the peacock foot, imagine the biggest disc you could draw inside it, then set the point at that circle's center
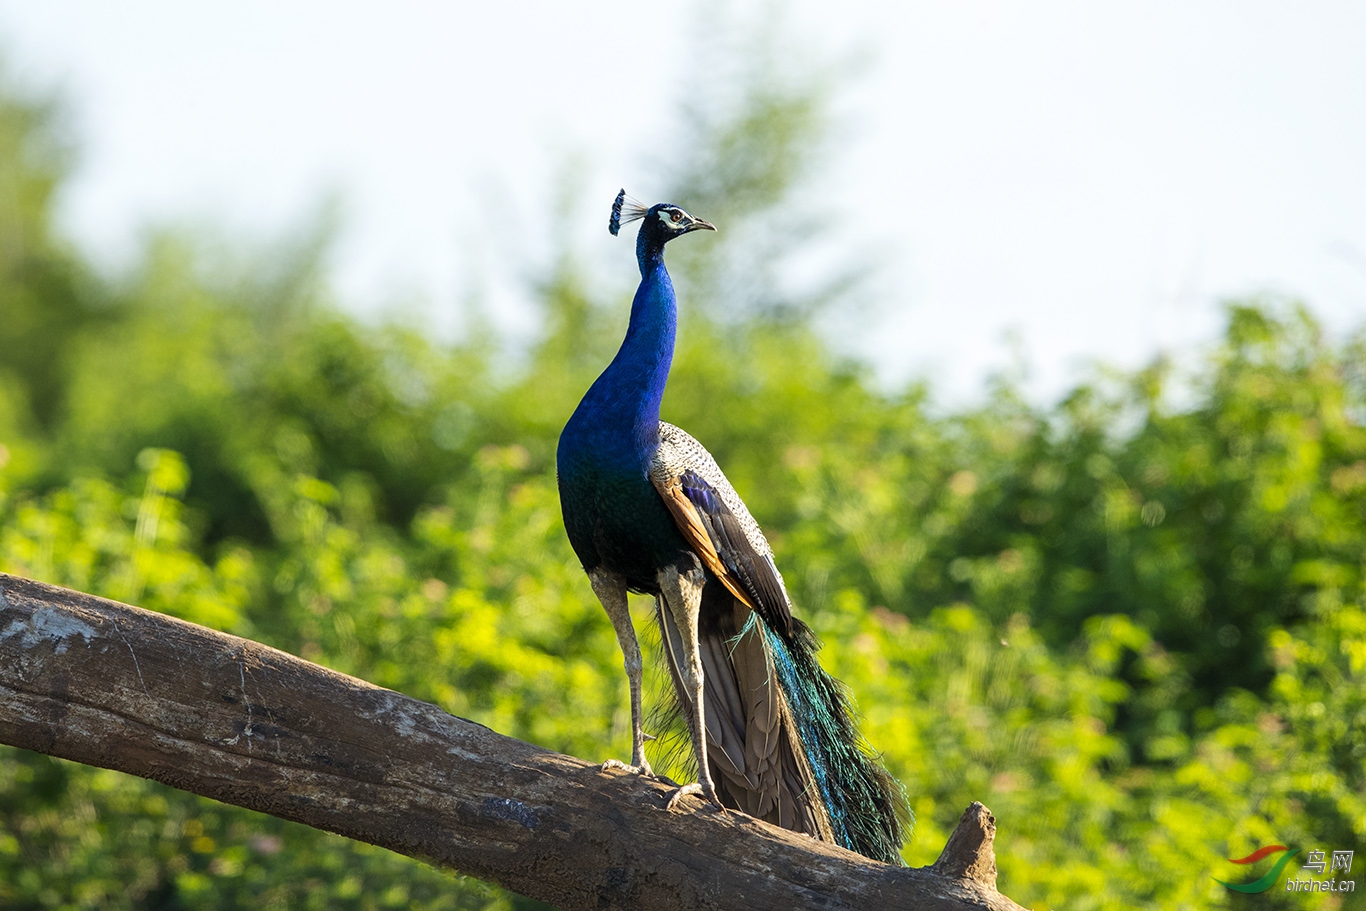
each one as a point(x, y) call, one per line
point(643, 769)
point(697, 788)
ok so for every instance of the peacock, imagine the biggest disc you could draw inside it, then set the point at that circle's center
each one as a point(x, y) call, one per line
point(648, 510)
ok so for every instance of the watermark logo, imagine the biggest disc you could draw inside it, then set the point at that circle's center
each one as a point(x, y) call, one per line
point(1316, 861)
point(1267, 881)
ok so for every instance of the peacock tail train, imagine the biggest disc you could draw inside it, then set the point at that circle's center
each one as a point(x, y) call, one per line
point(868, 809)
point(860, 806)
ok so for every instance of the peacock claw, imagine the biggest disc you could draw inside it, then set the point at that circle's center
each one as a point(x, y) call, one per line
point(694, 789)
point(642, 770)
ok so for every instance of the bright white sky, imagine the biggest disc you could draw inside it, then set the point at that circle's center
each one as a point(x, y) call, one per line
point(1094, 177)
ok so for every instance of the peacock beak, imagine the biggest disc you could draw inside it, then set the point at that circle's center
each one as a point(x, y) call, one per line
point(698, 224)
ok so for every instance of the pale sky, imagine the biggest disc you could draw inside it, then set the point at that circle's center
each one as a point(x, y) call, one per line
point(1092, 177)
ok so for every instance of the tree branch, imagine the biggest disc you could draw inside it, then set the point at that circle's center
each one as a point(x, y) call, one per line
point(115, 686)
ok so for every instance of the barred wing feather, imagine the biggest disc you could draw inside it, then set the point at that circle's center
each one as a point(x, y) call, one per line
point(716, 523)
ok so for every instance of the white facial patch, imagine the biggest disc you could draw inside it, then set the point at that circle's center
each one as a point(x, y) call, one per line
point(672, 218)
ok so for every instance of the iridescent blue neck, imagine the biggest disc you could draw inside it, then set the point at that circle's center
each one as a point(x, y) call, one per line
point(623, 402)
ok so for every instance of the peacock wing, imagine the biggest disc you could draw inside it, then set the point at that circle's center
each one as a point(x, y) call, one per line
point(714, 520)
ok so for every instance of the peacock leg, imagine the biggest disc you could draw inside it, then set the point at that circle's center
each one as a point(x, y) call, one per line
point(682, 595)
point(611, 591)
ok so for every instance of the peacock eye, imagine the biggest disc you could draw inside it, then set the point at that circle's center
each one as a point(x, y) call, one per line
point(677, 216)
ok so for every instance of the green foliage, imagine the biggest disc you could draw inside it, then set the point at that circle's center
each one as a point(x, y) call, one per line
point(1136, 630)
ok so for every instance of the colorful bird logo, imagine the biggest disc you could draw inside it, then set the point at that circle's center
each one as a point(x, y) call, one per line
point(1267, 881)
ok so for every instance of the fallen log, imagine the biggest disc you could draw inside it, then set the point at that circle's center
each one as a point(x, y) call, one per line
point(110, 685)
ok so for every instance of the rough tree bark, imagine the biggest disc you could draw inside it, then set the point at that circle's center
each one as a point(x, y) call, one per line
point(115, 686)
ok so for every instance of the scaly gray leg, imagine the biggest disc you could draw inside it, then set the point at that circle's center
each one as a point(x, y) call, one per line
point(683, 598)
point(611, 591)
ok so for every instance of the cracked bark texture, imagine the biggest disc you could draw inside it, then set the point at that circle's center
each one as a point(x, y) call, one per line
point(110, 685)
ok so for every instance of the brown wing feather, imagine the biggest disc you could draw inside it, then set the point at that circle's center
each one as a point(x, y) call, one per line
point(714, 520)
point(690, 523)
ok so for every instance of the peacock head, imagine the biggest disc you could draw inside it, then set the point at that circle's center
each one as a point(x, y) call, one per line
point(660, 223)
